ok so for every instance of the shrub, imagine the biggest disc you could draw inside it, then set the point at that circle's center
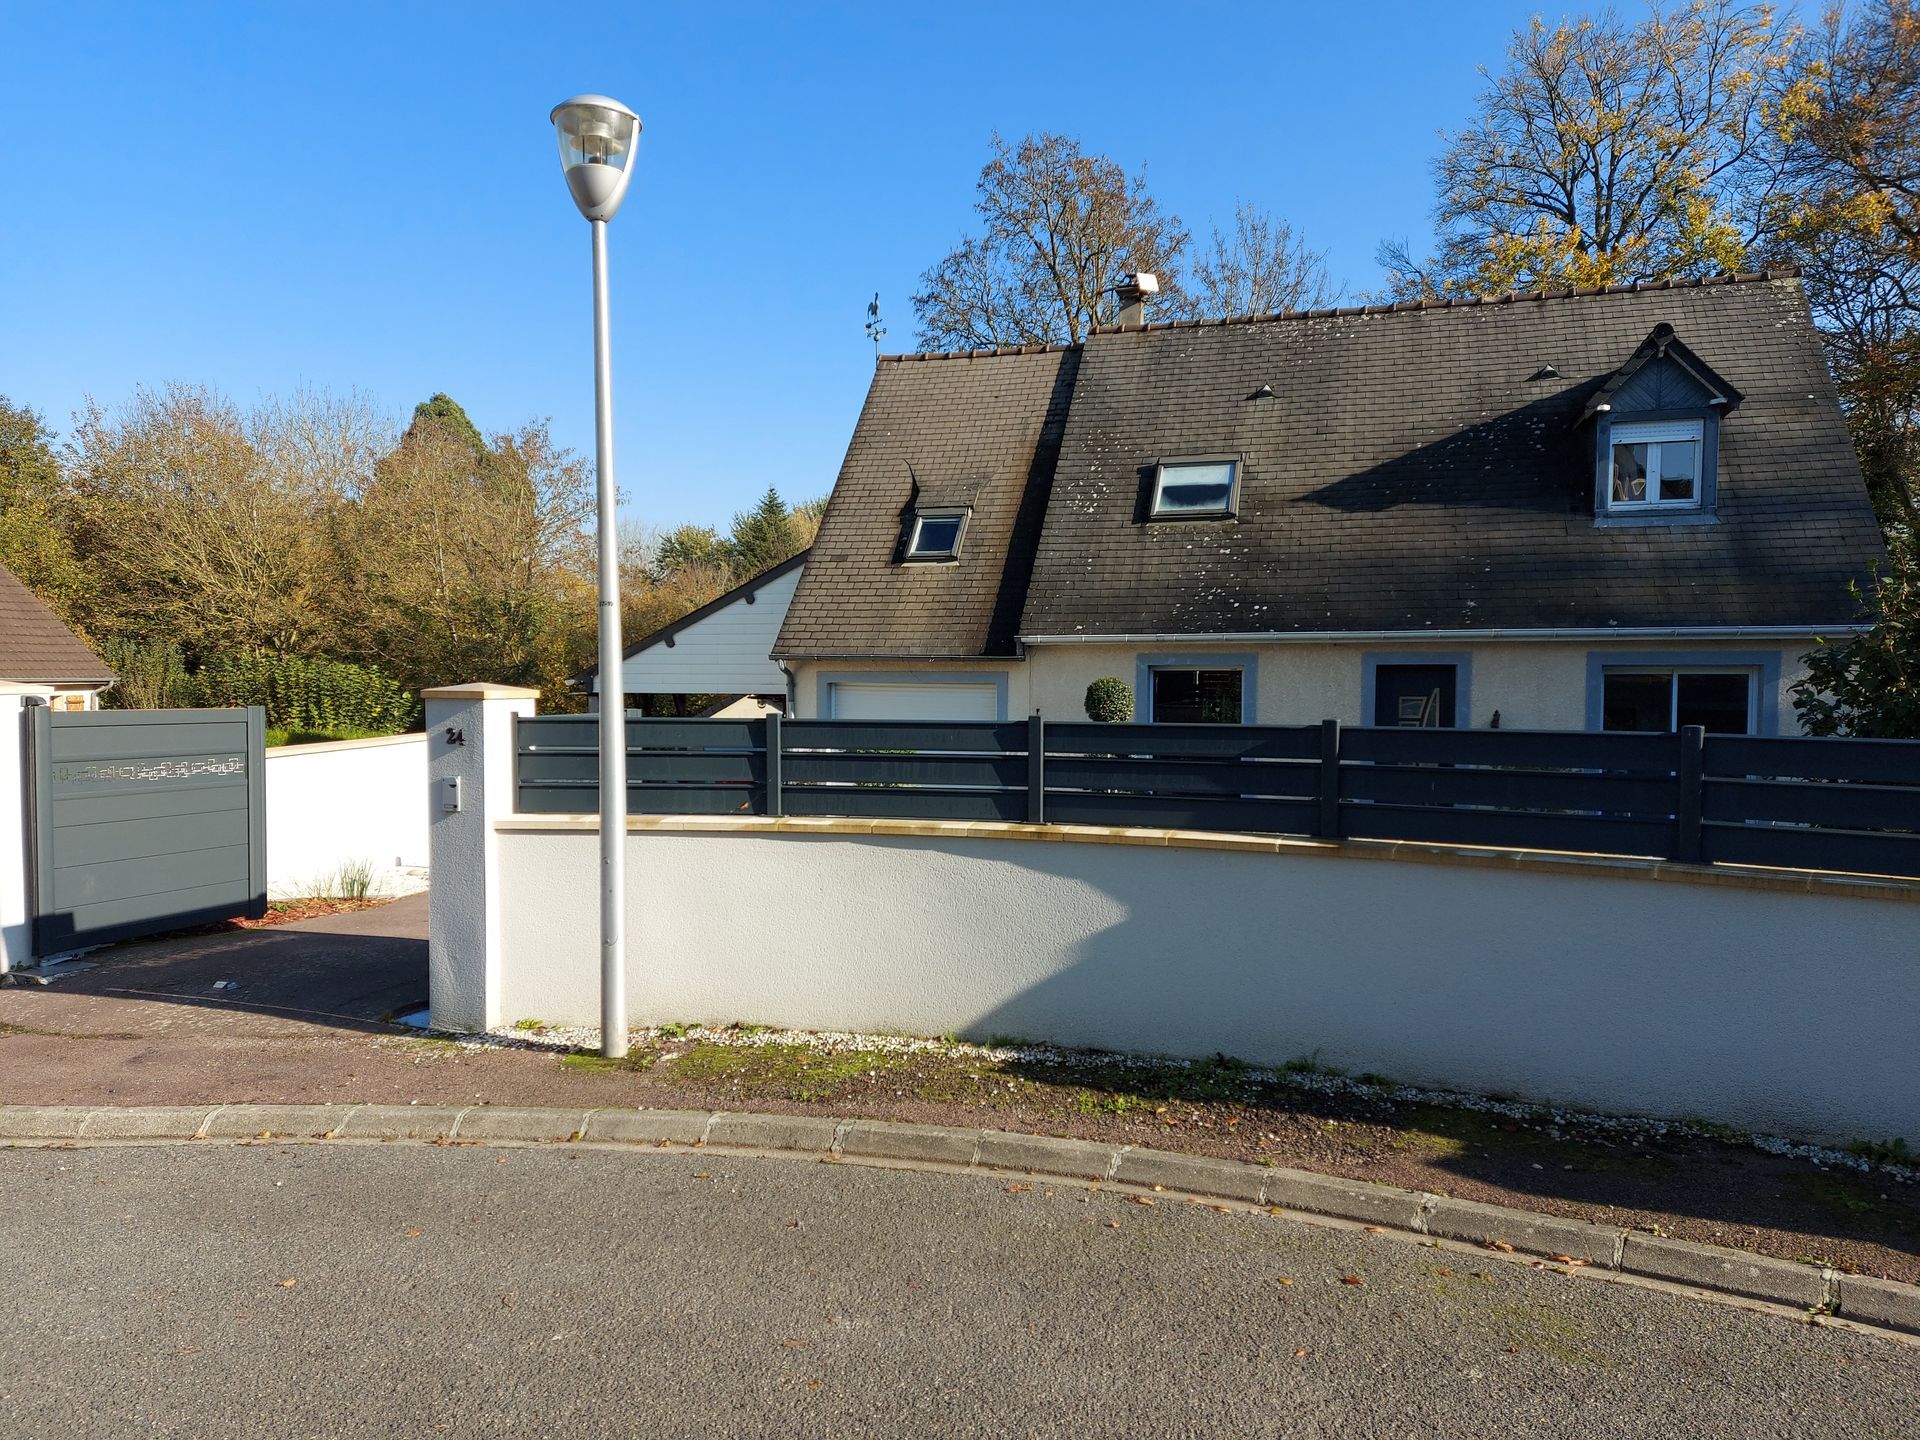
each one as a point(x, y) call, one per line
point(327, 697)
point(151, 677)
point(1110, 701)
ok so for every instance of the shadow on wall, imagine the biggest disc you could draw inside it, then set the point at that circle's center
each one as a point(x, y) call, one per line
point(1616, 995)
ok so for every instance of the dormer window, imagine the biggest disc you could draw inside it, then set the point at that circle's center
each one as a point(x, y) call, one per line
point(1195, 489)
point(1656, 426)
point(936, 535)
point(1656, 465)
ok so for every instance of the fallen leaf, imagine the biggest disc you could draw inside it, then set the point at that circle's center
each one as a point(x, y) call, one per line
point(1224, 1209)
point(329, 1134)
point(1284, 1280)
point(1351, 1280)
point(1300, 1354)
point(413, 1234)
point(1443, 1272)
point(499, 1159)
point(1502, 1246)
point(264, 1135)
point(813, 1384)
point(1160, 1189)
point(1017, 1189)
point(1141, 1199)
point(661, 1144)
point(703, 1175)
point(286, 1284)
point(1113, 1224)
point(1374, 1229)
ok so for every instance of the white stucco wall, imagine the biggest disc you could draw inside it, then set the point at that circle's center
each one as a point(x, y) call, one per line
point(1788, 1012)
point(1535, 685)
point(347, 802)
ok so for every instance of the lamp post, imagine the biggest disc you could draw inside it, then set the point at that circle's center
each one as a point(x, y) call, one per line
point(597, 137)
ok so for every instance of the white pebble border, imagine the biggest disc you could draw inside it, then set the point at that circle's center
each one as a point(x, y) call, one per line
point(1555, 1122)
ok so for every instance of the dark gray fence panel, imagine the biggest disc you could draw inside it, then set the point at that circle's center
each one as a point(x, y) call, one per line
point(909, 735)
point(1821, 804)
point(144, 821)
point(1174, 812)
point(1251, 742)
point(883, 803)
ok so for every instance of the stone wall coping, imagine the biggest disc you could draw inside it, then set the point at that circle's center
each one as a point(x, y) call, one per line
point(1538, 862)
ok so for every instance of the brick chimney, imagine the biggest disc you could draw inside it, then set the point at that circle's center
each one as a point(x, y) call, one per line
point(1132, 292)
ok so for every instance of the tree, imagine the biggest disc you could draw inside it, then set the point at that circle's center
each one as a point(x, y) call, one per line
point(441, 408)
point(1871, 684)
point(468, 564)
point(213, 528)
point(1058, 229)
point(34, 543)
point(690, 547)
point(1262, 267)
point(763, 536)
point(1606, 152)
point(1849, 156)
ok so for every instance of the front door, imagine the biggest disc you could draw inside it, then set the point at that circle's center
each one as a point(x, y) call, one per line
point(1415, 695)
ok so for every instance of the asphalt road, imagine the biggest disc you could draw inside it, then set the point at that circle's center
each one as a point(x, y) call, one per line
point(531, 1292)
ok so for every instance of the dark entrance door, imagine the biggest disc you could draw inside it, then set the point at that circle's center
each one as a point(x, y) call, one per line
point(145, 820)
point(1415, 695)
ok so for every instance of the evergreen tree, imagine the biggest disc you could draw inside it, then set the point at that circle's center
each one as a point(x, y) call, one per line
point(763, 536)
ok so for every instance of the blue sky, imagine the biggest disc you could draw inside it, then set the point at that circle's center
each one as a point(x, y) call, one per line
point(367, 196)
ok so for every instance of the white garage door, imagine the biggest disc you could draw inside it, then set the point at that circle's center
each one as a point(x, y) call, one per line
point(909, 701)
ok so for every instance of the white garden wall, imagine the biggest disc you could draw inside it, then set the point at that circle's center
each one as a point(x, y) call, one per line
point(347, 802)
point(1778, 1002)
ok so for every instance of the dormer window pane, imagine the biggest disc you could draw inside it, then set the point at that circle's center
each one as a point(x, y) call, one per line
point(936, 537)
point(1656, 464)
point(1194, 489)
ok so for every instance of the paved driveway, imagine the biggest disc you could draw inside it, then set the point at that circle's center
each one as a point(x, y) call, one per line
point(407, 1290)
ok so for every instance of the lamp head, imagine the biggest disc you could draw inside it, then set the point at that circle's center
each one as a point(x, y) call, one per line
point(597, 136)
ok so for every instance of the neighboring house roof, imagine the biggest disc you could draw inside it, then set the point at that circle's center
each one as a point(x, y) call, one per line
point(979, 435)
point(36, 648)
point(1408, 467)
point(717, 650)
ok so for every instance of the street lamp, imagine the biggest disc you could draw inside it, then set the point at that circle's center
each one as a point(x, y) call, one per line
point(597, 137)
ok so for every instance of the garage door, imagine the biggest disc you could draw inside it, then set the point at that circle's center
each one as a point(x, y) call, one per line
point(907, 700)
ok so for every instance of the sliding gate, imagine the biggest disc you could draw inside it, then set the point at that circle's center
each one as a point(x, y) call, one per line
point(143, 821)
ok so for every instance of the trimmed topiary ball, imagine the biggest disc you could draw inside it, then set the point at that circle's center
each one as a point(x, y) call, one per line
point(1110, 701)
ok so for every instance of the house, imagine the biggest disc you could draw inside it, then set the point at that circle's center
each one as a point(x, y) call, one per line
point(723, 648)
point(1629, 508)
point(40, 658)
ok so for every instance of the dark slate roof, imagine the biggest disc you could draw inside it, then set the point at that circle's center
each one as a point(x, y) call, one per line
point(35, 647)
point(1413, 470)
point(976, 431)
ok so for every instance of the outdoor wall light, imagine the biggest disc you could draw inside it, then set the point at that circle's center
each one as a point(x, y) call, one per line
point(597, 135)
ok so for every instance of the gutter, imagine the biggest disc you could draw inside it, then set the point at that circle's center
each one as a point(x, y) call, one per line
point(1348, 637)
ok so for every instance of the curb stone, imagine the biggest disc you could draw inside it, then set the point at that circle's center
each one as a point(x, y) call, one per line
point(1886, 1303)
point(1711, 1268)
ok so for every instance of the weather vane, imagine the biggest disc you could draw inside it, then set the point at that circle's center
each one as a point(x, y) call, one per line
point(874, 328)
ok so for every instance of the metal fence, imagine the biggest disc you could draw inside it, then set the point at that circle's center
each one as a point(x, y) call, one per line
point(1847, 805)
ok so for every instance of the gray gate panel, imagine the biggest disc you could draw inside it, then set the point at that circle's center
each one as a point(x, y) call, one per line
point(202, 741)
point(129, 919)
point(156, 836)
point(145, 820)
point(134, 805)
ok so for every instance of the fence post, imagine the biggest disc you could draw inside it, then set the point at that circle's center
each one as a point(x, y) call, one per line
point(776, 780)
point(1686, 811)
point(1329, 827)
point(1036, 770)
